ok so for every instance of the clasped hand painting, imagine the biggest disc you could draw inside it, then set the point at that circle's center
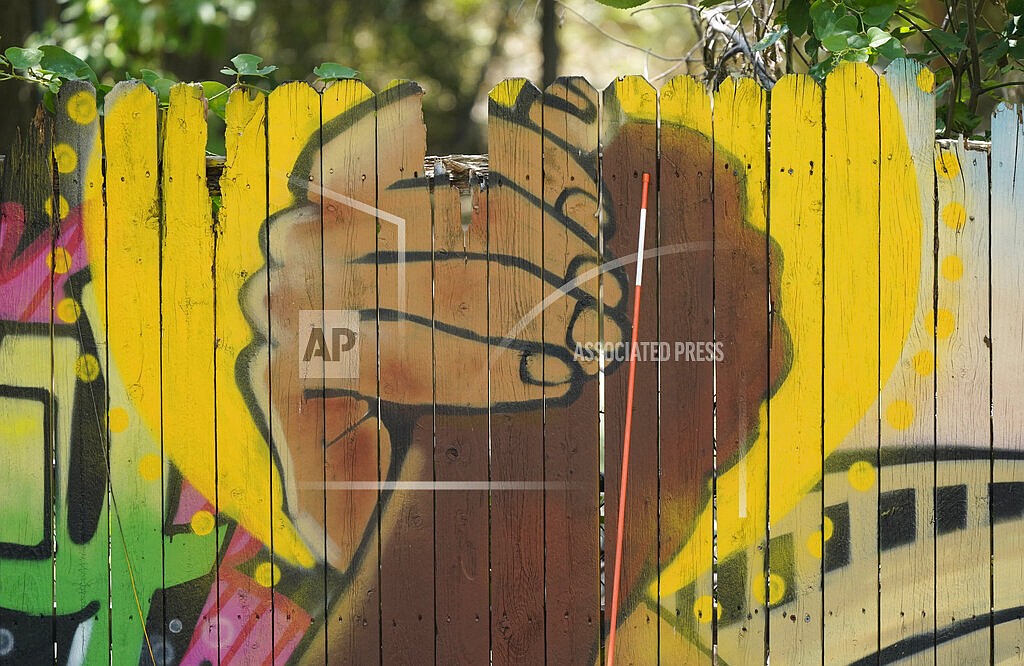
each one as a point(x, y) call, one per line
point(328, 400)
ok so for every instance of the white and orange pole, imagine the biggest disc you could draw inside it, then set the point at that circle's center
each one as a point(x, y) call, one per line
point(610, 648)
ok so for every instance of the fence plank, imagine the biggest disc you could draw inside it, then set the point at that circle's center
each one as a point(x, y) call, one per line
point(1007, 245)
point(796, 210)
point(131, 317)
point(571, 432)
point(741, 325)
point(963, 547)
point(516, 373)
point(461, 574)
point(906, 397)
point(188, 417)
point(407, 373)
point(851, 363)
point(359, 448)
point(685, 297)
point(629, 148)
point(29, 395)
point(242, 324)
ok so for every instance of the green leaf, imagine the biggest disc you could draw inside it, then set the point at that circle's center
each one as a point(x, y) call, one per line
point(216, 97)
point(65, 65)
point(23, 58)
point(892, 49)
point(149, 77)
point(247, 64)
point(798, 16)
point(821, 70)
point(949, 43)
point(857, 55)
point(771, 38)
point(836, 41)
point(878, 15)
point(162, 88)
point(228, 71)
point(332, 71)
point(877, 37)
point(623, 4)
point(823, 17)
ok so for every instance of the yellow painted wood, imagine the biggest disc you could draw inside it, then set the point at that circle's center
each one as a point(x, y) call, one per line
point(629, 148)
point(851, 370)
point(357, 449)
point(1007, 275)
point(132, 322)
point(687, 214)
point(797, 217)
point(906, 397)
point(740, 129)
point(962, 379)
point(241, 289)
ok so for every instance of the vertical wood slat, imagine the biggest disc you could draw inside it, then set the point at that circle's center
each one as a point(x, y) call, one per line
point(1007, 278)
point(242, 599)
point(26, 375)
point(407, 372)
point(461, 573)
point(796, 210)
point(132, 320)
point(516, 374)
point(188, 336)
point(685, 297)
point(571, 436)
point(360, 448)
point(963, 548)
point(742, 381)
point(906, 396)
point(81, 516)
point(629, 149)
point(851, 362)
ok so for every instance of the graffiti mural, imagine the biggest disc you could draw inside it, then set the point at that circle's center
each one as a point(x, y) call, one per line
point(348, 410)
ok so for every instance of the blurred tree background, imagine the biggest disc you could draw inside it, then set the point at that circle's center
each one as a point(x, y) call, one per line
point(457, 49)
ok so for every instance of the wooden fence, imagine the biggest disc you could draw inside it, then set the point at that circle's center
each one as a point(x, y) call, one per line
point(342, 414)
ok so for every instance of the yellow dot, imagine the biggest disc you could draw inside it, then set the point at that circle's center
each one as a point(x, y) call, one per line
point(62, 205)
point(65, 157)
point(926, 80)
point(82, 107)
point(68, 310)
point(118, 419)
point(202, 522)
point(776, 589)
point(814, 544)
point(947, 165)
point(87, 368)
point(703, 607)
point(268, 574)
point(955, 216)
point(942, 322)
point(59, 261)
point(924, 362)
point(827, 528)
point(861, 475)
point(952, 268)
point(900, 414)
point(150, 467)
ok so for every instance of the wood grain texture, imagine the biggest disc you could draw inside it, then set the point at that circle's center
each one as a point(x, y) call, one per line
point(741, 325)
point(962, 384)
point(1007, 275)
point(407, 525)
point(461, 570)
point(796, 201)
point(188, 335)
point(851, 361)
point(571, 432)
point(685, 301)
point(629, 149)
point(906, 396)
point(514, 228)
